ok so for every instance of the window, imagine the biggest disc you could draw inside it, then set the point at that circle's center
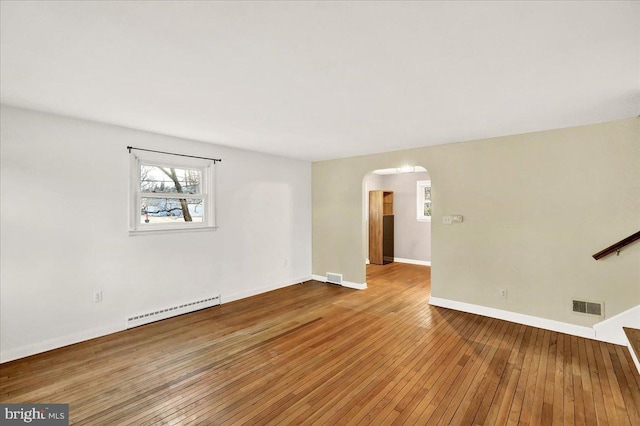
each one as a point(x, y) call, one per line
point(424, 200)
point(170, 193)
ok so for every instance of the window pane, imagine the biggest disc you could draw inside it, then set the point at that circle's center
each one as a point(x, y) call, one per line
point(427, 193)
point(170, 180)
point(171, 210)
point(427, 208)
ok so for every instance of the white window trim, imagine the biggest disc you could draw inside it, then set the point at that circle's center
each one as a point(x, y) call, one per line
point(207, 168)
point(420, 185)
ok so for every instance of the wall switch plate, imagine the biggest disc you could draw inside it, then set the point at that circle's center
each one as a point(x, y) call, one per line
point(97, 296)
point(503, 293)
point(447, 220)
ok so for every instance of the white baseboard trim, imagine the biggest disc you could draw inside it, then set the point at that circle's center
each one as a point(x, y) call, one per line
point(356, 286)
point(243, 295)
point(58, 342)
point(411, 261)
point(347, 284)
point(546, 324)
point(610, 330)
point(47, 345)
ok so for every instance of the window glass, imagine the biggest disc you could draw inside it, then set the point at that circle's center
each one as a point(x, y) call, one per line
point(423, 200)
point(171, 194)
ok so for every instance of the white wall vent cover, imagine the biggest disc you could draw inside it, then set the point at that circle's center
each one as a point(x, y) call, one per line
point(588, 307)
point(172, 311)
point(334, 278)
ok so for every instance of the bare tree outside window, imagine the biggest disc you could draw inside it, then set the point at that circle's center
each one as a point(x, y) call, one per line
point(183, 202)
point(170, 180)
point(171, 195)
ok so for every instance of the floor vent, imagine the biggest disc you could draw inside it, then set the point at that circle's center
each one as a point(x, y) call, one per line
point(172, 311)
point(334, 278)
point(589, 308)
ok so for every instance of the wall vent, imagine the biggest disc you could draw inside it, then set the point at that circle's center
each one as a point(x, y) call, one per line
point(184, 308)
point(588, 307)
point(334, 278)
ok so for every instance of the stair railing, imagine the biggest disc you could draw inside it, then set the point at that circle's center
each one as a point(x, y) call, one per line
point(617, 246)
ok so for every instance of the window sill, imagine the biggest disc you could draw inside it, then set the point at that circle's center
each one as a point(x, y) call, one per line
point(133, 233)
point(424, 220)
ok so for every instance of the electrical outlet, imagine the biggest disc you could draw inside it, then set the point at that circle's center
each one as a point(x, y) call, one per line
point(503, 293)
point(97, 296)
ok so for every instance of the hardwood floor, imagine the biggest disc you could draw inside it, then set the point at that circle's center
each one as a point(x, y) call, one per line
point(320, 354)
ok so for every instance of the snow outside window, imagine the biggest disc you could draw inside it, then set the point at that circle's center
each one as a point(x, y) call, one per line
point(170, 193)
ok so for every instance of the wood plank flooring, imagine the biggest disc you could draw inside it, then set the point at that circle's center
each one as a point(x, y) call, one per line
point(326, 355)
point(633, 335)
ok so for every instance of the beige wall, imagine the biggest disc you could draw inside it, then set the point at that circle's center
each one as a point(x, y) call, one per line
point(536, 207)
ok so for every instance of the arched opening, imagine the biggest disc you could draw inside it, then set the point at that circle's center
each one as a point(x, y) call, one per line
point(396, 220)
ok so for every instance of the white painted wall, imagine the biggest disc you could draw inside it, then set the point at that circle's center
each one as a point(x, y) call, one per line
point(412, 237)
point(59, 243)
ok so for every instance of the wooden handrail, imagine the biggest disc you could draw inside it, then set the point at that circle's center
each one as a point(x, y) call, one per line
point(617, 246)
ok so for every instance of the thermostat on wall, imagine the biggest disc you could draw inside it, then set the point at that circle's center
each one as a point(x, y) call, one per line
point(449, 219)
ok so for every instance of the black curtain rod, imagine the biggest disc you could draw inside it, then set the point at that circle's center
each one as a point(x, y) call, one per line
point(215, 160)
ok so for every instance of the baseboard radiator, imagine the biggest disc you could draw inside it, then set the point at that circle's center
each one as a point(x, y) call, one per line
point(184, 308)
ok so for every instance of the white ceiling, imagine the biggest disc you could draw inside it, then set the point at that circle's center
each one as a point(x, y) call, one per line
point(321, 80)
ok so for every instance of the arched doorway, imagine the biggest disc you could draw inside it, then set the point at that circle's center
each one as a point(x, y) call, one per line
point(408, 190)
